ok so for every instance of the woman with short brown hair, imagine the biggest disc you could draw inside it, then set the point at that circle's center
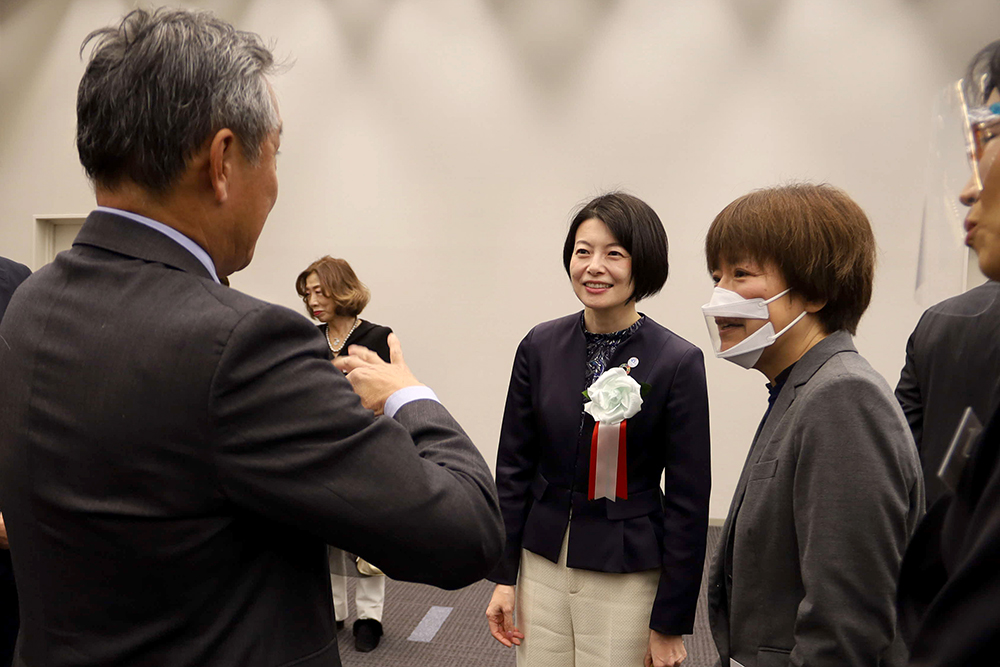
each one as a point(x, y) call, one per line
point(333, 295)
point(820, 238)
point(806, 568)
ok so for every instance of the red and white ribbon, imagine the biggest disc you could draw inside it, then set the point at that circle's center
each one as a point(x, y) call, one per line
point(608, 475)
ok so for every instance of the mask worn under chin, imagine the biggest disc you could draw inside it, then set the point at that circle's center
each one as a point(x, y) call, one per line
point(726, 303)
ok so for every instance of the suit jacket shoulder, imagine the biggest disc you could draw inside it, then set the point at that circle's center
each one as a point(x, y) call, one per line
point(12, 274)
point(952, 362)
point(554, 330)
point(977, 301)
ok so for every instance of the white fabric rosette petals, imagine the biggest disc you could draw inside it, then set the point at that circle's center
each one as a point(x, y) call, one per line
point(614, 397)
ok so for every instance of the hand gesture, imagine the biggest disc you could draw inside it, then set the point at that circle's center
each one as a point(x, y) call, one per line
point(373, 379)
point(500, 614)
point(664, 650)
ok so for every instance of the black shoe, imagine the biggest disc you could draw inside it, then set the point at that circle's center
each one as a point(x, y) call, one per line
point(340, 625)
point(367, 632)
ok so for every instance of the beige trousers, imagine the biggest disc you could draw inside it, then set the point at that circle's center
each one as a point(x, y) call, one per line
point(581, 618)
point(369, 596)
point(369, 592)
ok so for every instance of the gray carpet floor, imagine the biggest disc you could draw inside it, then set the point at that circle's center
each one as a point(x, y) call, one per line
point(463, 640)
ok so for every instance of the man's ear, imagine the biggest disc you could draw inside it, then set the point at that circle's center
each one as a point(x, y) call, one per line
point(221, 153)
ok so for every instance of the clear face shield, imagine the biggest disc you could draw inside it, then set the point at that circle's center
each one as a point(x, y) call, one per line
point(962, 126)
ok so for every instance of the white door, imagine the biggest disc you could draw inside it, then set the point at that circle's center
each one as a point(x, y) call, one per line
point(53, 234)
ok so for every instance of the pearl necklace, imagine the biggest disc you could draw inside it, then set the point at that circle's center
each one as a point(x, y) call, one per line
point(336, 345)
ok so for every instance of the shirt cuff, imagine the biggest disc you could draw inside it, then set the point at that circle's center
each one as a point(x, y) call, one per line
point(407, 395)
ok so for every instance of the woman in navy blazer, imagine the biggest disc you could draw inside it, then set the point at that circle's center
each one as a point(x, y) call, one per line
point(615, 254)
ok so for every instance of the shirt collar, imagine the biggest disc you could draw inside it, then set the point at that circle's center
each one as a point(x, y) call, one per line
point(175, 235)
point(779, 382)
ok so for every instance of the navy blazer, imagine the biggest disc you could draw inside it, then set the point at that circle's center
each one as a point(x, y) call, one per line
point(543, 465)
point(12, 274)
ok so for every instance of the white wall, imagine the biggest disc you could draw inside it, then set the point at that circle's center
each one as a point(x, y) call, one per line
point(441, 146)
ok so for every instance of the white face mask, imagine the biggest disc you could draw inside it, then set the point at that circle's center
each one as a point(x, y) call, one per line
point(726, 303)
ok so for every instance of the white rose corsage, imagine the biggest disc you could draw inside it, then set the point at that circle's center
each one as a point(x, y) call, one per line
point(613, 398)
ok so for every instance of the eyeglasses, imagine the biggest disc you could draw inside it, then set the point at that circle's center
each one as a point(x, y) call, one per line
point(984, 124)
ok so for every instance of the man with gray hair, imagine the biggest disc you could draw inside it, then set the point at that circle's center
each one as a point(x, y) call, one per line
point(174, 454)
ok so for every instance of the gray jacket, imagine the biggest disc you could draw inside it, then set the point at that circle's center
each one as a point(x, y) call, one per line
point(828, 497)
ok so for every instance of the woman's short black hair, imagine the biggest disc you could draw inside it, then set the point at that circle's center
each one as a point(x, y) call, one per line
point(637, 227)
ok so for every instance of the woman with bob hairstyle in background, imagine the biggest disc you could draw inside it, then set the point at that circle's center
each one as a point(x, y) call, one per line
point(607, 564)
point(333, 295)
point(806, 568)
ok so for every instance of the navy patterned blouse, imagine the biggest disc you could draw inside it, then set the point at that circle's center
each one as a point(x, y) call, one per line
point(601, 347)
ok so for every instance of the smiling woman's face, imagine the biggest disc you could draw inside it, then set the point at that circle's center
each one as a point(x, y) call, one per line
point(751, 281)
point(600, 268)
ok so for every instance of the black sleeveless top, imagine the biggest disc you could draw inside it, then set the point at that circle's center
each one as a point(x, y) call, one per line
point(373, 336)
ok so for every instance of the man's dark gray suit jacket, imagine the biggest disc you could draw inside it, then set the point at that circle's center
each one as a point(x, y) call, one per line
point(176, 455)
point(952, 362)
point(12, 274)
point(829, 495)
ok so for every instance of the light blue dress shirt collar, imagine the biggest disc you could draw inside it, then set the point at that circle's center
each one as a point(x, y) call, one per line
point(184, 241)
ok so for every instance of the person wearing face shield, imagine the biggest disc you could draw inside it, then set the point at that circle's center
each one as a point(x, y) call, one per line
point(952, 356)
point(806, 568)
point(949, 586)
